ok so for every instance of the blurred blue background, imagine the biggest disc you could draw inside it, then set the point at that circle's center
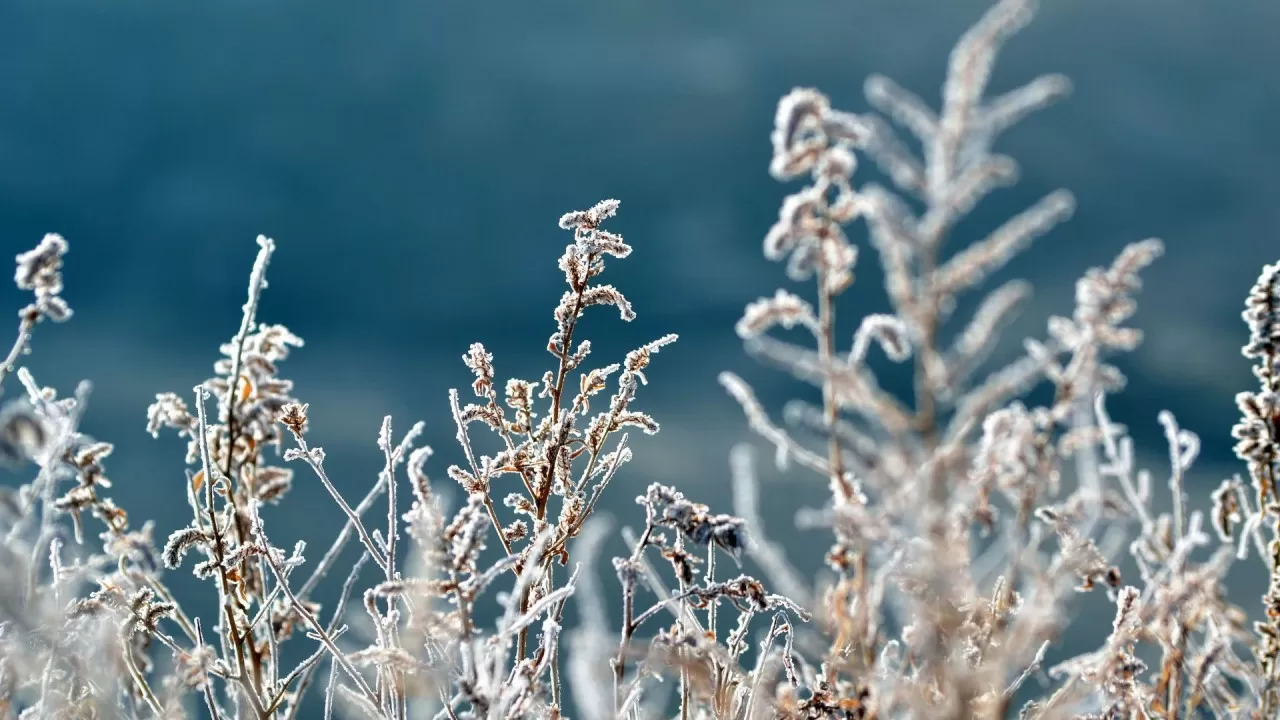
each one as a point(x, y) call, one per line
point(411, 158)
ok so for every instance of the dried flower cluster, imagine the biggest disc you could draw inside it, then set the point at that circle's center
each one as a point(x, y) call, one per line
point(963, 519)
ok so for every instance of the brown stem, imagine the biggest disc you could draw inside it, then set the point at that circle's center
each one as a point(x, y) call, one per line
point(557, 392)
point(628, 613)
point(20, 345)
point(840, 486)
point(248, 683)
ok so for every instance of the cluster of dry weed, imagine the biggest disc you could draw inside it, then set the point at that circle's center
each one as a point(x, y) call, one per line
point(963, 521)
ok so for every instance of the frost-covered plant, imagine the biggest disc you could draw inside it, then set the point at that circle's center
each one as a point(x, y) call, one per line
point(429, 647)
point(964, 518)
point(961, 532)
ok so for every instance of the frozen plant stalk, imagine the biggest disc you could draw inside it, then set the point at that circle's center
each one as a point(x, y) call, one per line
point(917, 484)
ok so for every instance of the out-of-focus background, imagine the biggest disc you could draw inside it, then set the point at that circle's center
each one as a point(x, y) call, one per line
point(411, 158)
